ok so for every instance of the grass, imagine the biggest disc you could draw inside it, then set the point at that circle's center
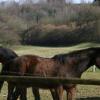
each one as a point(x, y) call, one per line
point(50, 51)
point(82, 90)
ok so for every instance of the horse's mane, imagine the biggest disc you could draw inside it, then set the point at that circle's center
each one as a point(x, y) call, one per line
point(62, 57)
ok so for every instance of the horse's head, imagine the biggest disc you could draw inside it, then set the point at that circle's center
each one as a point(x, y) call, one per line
point(6, 54)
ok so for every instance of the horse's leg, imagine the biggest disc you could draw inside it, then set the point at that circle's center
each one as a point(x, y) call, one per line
point(10, 90)
point(36, 93)
point(16, 93)
point(19, 91)
point(59, 93)
point(71, 93)
point(53, 94)
point(23, 94)
point(1, 85)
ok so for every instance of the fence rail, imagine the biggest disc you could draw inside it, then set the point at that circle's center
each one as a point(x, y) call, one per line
point(48, 80)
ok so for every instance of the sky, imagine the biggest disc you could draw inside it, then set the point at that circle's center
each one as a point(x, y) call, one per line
point(75, 1)
point(78, 1)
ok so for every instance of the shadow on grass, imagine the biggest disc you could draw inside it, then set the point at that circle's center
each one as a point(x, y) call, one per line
point(89, 98)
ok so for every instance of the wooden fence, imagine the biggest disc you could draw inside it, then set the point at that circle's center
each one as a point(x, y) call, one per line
point(48, 80)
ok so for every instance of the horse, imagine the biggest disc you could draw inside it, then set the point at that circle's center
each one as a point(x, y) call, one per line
point(6, 55)
point(68, 65)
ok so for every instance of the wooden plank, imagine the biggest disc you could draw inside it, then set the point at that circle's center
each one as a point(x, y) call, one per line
point(48, 80)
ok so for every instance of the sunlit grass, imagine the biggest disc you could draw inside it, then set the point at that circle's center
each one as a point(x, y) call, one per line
point(50, 51)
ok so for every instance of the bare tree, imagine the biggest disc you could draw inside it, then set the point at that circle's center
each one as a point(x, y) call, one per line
point(56, 1)
point(69, 1)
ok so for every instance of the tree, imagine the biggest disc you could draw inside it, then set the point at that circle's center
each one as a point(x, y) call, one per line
point(97, 2)
point(56, 1)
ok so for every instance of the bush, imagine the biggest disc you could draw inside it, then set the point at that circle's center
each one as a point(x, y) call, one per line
point(52, 35)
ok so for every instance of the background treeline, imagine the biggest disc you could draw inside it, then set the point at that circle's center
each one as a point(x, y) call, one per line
point(49, 24)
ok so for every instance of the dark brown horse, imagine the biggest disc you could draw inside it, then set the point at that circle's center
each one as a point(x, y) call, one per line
point(5, 56)
point(63, 65)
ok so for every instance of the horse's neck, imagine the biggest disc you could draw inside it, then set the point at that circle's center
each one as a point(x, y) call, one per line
point(81, 66)
point(84, 65)
point(87, 60)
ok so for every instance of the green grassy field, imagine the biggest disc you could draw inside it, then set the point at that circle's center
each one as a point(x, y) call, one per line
point(83, 91)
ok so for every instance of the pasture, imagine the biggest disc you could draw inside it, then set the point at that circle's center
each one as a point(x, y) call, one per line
point(83, 91)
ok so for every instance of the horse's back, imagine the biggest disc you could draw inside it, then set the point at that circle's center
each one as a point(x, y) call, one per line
point(36, 65)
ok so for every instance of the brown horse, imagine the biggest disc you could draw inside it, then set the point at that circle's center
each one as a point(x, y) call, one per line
point(63, 65)
point(6, 55)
